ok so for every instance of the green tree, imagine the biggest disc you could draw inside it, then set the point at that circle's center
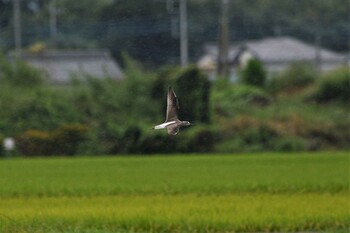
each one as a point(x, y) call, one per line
point(193, 88)
point(254, 73)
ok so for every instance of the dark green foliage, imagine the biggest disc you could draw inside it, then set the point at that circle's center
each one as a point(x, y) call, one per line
point(66, 139)
point(334, 86)
point(193, 90)
point(289, 144)
point(131, 139)
point(43, 108)
point(104, 116)
point(62, 141)
point(298, 75)
point(258, 138)
point(158, 143)
point(195, 139)
point(201, 139)
point(254, 73)
point(229, 99)
point(34, 143)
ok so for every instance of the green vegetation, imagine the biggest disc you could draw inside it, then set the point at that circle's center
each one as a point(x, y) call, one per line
point(216, 174)
point(178, 213)
point(334, 86)
point(287, 115)
point(183, 193)
point(254, 73)
point(104, 116)
point(296, 77)
point(62, 141)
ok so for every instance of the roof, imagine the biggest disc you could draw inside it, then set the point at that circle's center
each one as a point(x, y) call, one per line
point(61, 65)
point(278, 49)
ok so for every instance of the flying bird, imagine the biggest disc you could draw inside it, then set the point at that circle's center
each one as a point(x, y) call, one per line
point(172, 123)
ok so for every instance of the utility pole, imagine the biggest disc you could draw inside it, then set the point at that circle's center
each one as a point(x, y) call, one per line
point(223, 40)
point(53, 22)
point(183, 33)
point(17, 26)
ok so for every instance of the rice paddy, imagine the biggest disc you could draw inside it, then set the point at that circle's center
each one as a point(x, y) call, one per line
point(177, 193)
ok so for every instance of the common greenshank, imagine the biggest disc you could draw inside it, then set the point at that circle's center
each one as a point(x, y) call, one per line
point(172, 123)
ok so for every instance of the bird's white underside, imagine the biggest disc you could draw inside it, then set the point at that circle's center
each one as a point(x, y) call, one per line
point(164, 125)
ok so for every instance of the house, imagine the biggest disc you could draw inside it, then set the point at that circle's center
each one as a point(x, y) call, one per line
point(276, 53)
point(61, 65)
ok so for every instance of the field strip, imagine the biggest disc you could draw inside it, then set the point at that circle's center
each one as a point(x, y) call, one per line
point(183, 213)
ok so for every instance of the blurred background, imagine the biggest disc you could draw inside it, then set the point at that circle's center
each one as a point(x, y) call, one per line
point(90, 77)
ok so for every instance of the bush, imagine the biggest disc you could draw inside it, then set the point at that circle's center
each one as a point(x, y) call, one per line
point(199, 139)
point(66, 139)
point(334, 86)
point(297, 75)
point(289, 143)
point(63, 141)
point(191, 86)
point(310, 135)
point(195, 139)
point(34, 143)
point(254, 73)
point(158, 143)
point(245, 133)
point(226, 101)
point(193, 89)
point(262, 136)
point(38, 108)
point(131, 139)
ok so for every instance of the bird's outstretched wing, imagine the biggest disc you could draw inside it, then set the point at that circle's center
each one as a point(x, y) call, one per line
point(172, 106)
point(173, 129)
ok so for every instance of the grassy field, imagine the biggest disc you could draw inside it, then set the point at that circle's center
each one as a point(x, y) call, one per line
point(177, 193)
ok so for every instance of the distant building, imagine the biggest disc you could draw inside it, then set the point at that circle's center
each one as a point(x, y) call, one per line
point(61, 65)
point(275, 53)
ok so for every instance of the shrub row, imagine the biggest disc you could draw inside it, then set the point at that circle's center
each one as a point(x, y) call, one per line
point(62, 141)
point(72, 140)
point(196, 139)
point(244, 133)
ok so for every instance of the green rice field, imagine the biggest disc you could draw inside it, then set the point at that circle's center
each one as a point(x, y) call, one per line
point(277, 192)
